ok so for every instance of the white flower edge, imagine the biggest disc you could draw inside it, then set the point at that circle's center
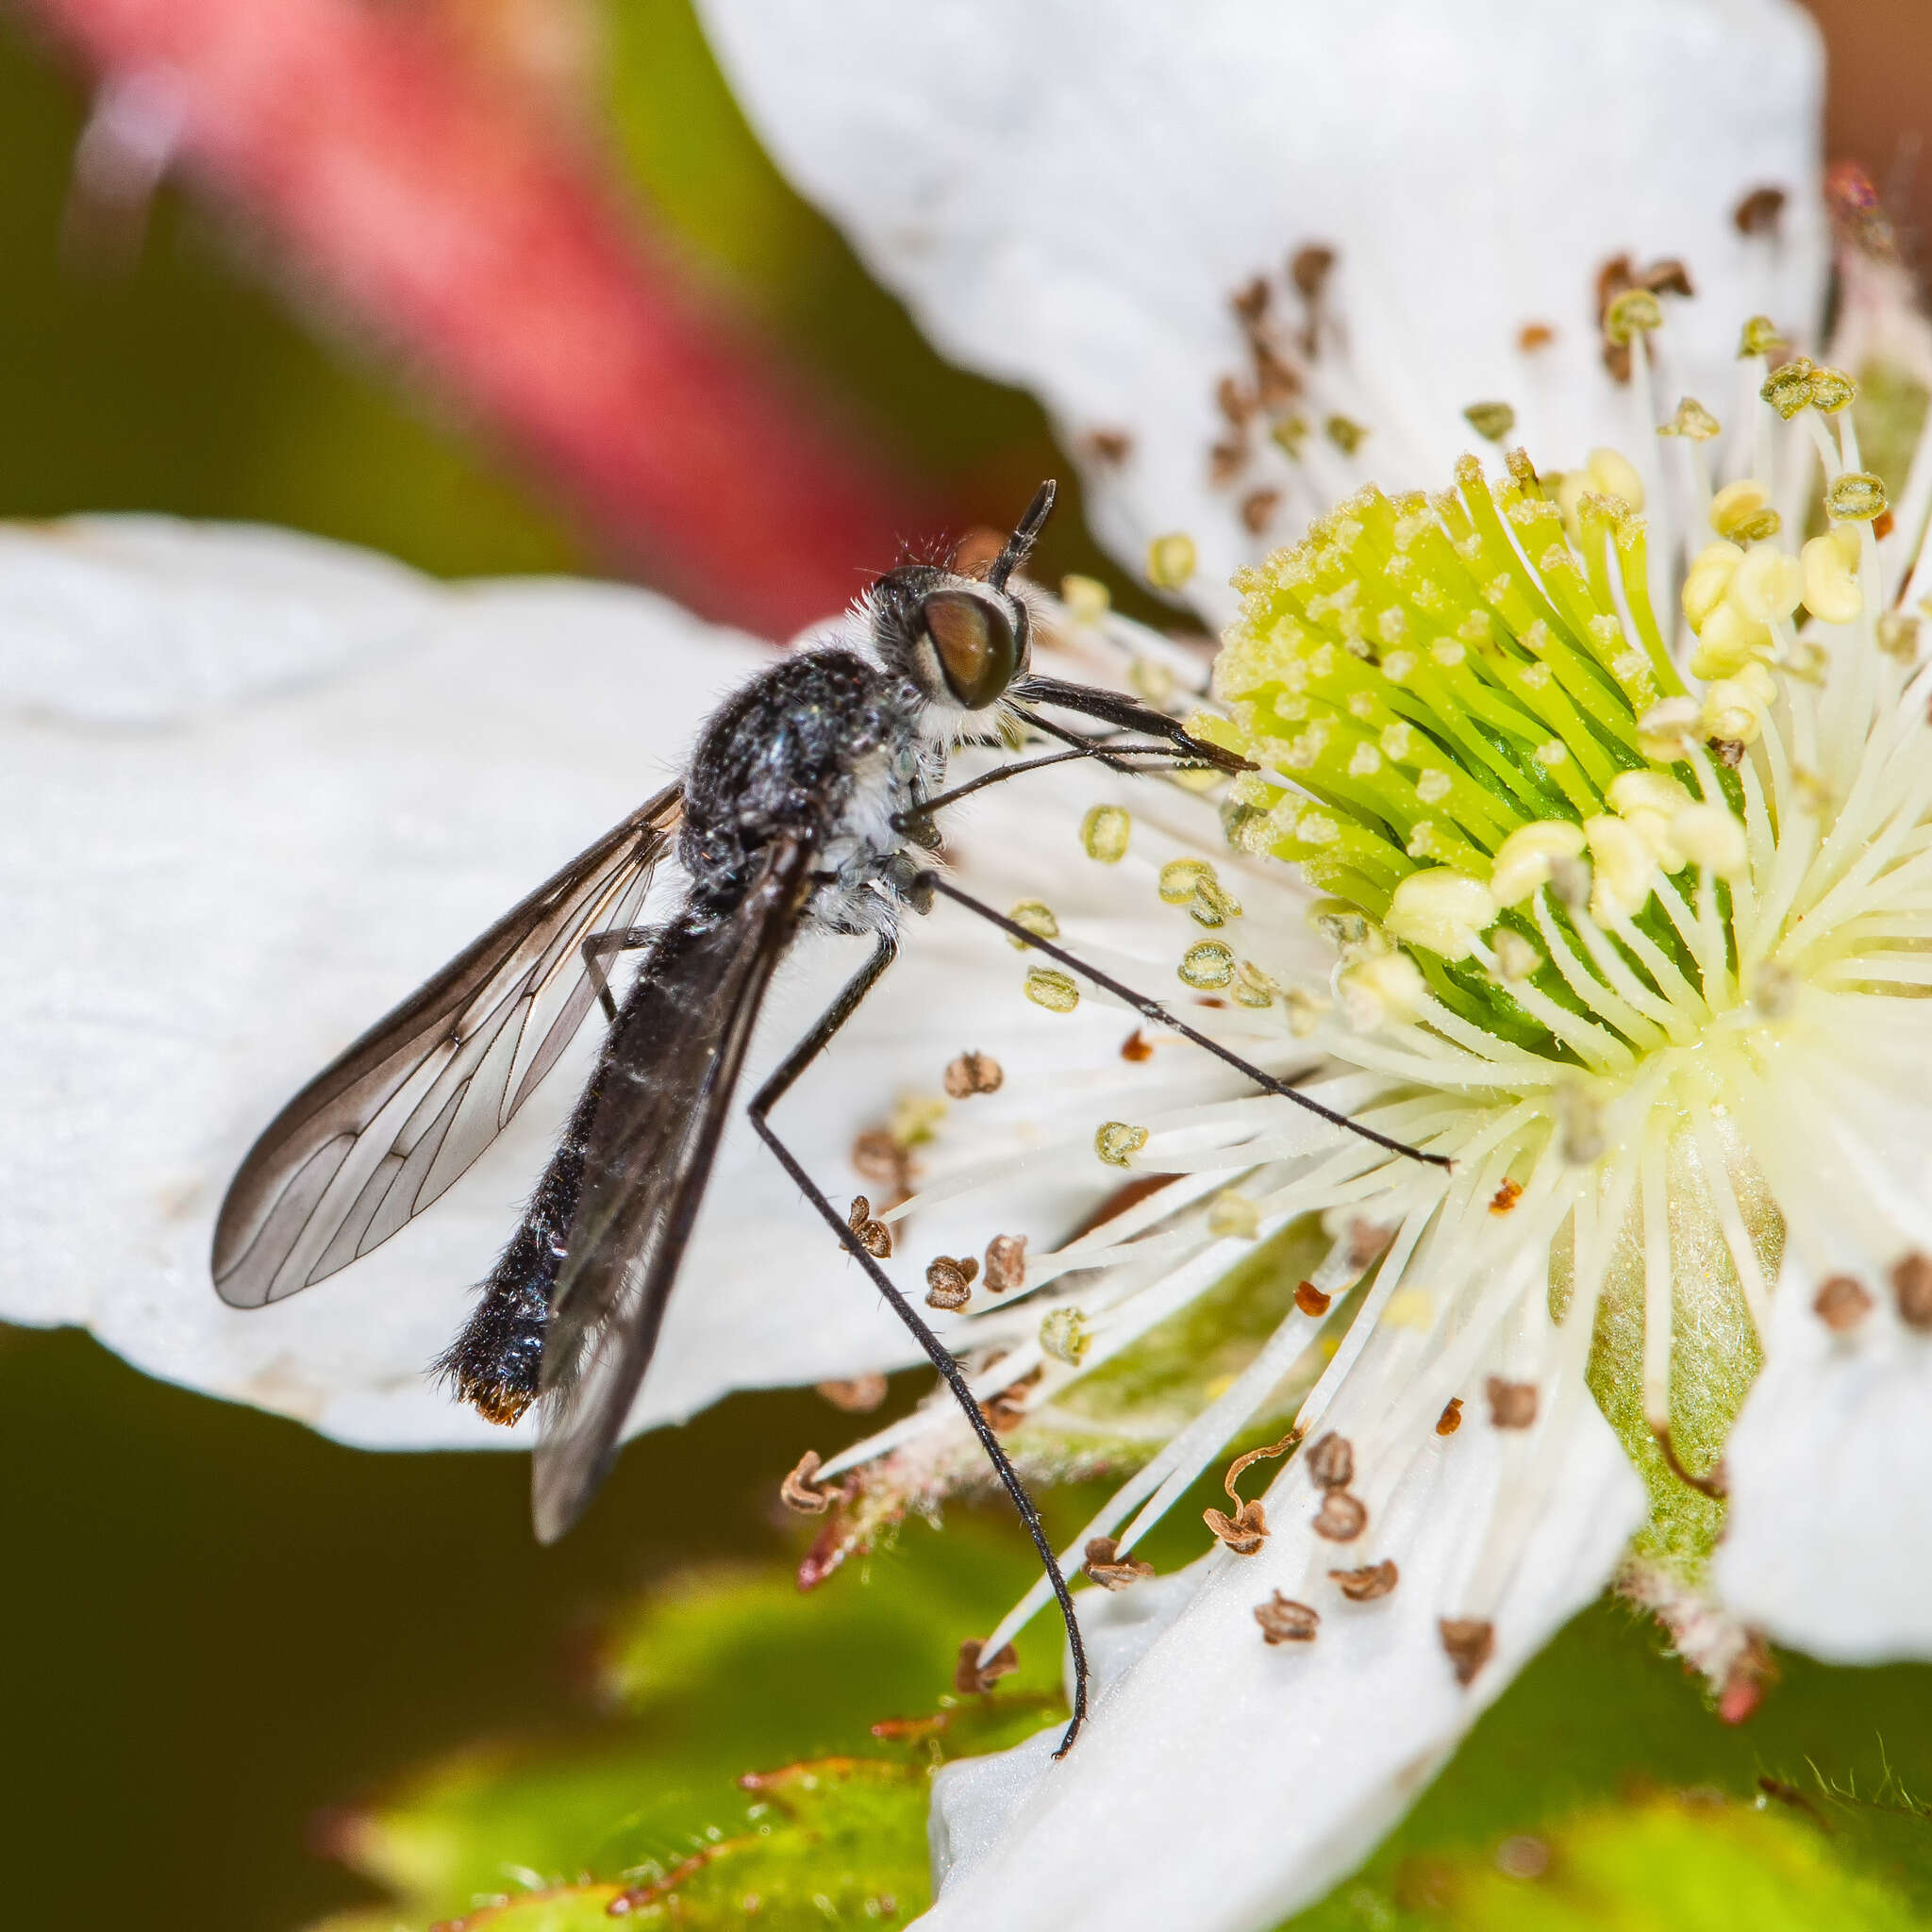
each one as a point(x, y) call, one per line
point(1068, 199)
point(1224, 1782)
point(342, 771)
point(1825, 1548)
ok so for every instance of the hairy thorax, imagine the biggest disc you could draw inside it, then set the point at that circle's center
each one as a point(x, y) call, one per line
point(825, 747)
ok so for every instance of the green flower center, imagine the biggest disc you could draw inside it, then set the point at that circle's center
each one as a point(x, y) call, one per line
point(1457, 701)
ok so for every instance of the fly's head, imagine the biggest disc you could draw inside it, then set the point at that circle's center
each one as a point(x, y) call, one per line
point(961, 641)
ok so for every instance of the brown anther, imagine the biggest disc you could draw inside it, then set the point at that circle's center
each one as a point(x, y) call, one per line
point(1469, 1642)
point(1533, 336)
point(859, 1396)
point(877, 1157)
point(1275, 382)
point(970, 1674)
point(1258, 507)
point(1342, 1517)
point(1728, 752)
point(949, 1281)
point(1912, 1281)
point(1668, 277)
point(798, 1492)
point(1226, 460)
point(1366, 1239)
point(971, 1074)
point(1506, 1197)
point(1309, 268)
point(1110, 1571)
point(1250, 301)
point(1237, 404)
point(1882, 525)
point(1759, 211)
point(1451, 1419)
point(1005, 1264)
point(1512, 1405)
point(1284, 1621)
point(1008, 1410)
point(875, 1236)
point(1331, 1462)
point(1136, 1047)
point(1363, 1586)
point(1109, 446)
point(1310, 1300)
point(1843, 1302)
point(1245, 1532)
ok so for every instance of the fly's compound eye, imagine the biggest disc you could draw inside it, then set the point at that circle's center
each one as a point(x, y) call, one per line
point(974, 637)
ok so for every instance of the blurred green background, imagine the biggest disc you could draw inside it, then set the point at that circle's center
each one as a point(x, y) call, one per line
point(220, 1629)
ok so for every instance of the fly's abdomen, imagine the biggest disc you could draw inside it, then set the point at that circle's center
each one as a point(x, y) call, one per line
point(494, 1364)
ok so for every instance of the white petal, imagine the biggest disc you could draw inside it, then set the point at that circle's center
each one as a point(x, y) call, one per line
point(1067, 197)
point(1223, 1783)
point(1826, 1545)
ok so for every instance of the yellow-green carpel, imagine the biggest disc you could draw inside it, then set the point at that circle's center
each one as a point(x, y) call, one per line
point(1458, 701)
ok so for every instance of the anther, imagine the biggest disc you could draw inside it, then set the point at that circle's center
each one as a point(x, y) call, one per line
point(1911, 1282)
point(1109, 1570)
point(1048, 987)
point(875, 1236)
point(1111, 447)
point(1245, 1532)
point(1759, 211)
point(1856, 497)
point(798, 1492)
point(1005, 1264)
point(1493, 422)
point(1088, 600)
point(1310, 1300)
point(1331, 1462)
point(1787, 388)
point(949, 1281)
point(1284, 1621)
point(1512, 1405)
point(971, 1676)
point(1136, 1047)
point(1898, 635)
point(1634, 311)
point(1179, 877)
point(1761, 335)
point(972, 1073)
point(1035, 916)
point(1103, 834)
point(859, 1396)
point(1257, 509)
point(1467, 1641)
point(1506, 1197)
point(1171, 561)
point(1066, 1335)
point(1346, 434)
point(1692, 422)
point(1207, 966)
point(1843, 1302)
point(1363, 1586)
point(1342, 1517)
point(1118, 1142)
point(1451, 1419)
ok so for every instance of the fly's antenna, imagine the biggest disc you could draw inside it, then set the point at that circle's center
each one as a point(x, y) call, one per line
point(1019, 546)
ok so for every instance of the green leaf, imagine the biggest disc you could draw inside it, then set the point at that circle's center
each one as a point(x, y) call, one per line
point(1687, 1863)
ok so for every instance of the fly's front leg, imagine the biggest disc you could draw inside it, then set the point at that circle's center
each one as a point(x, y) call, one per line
point(936, 1351)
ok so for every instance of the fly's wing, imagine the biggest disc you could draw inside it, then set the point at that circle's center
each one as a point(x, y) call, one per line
point(380, 1133)
point(664, 1089)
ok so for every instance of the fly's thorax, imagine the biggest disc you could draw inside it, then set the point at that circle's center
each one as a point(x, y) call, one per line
point(802, 752)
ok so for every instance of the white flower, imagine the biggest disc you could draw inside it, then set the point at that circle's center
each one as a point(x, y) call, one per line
point(1070, 197)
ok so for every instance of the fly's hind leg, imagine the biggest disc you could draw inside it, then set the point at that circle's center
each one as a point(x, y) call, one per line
point(936, 1351)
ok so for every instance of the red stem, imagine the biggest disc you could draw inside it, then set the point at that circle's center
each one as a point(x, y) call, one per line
point(438, 214)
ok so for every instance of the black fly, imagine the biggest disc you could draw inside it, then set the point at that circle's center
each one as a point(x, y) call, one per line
point(805, 800)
